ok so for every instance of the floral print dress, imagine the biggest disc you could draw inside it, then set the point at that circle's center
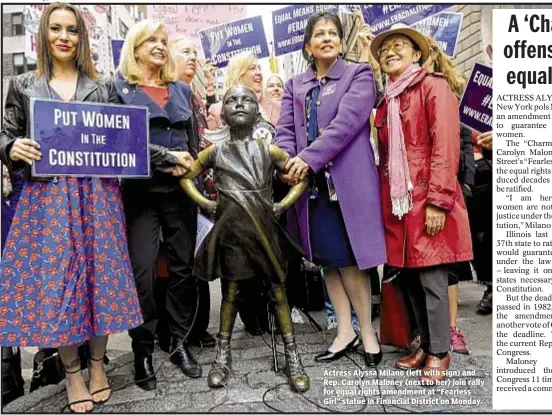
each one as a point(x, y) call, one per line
point(65, 274)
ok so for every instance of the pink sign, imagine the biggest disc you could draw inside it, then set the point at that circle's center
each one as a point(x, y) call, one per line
point(188, 19)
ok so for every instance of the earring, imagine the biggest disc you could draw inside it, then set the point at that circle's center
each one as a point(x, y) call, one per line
point(341, 55)
point(310, 59)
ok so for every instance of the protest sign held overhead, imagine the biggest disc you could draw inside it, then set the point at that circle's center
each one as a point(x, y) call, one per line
point(222, 42)
point(476, 106)
point(444, 28)
point(90, 140)
point(289, 25)
point(189, 19)
point(381, 17)
point(116, 46)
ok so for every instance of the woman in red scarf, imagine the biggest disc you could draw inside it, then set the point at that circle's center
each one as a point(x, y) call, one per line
point(424, 215)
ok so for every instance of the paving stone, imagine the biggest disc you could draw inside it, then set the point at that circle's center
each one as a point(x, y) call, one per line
point(263, 379)
point(173, 404)
point(130, 394)
point(234, 407)
point(183, 386)
point(254, 352)
point(253, 378)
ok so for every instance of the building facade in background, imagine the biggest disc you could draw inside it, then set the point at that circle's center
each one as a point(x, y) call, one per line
point(19, 44)
point(113, 22)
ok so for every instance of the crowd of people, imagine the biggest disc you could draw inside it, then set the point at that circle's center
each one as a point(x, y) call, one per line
point(372, 166)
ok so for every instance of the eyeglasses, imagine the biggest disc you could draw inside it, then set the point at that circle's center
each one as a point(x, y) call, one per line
point(396, 46)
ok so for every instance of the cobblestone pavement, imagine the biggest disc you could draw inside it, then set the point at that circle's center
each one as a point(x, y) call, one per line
point(469, 388)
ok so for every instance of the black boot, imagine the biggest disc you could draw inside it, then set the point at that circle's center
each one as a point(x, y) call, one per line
point(181, 356)
point(163, 340)
point(222, 366)
point(144, 376)
point(12, 381)
point(485, 306)
point(47, 369)
point(297, 377)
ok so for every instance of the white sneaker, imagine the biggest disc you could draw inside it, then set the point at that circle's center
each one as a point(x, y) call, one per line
point(296, 316)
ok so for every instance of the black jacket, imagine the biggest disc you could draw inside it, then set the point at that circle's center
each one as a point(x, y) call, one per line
point(17, 120)
point(170, 128)
point(466, 170)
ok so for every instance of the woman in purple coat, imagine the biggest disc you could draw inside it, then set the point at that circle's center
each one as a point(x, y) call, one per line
point(325, 127)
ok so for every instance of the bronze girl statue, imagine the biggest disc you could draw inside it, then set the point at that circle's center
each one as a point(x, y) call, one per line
point(246, 241)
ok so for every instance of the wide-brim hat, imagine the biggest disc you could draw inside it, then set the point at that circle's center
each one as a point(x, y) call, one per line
point(405, 30)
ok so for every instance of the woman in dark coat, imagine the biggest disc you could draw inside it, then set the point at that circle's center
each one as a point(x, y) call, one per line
point(147, 77)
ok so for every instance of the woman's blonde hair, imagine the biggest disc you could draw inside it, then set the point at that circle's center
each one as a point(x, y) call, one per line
point(274, 75)
point(237, 67)
point(128, 66)
point(445, 65)
point(174, 42)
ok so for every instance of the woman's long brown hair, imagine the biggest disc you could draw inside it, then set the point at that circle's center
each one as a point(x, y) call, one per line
point(83, 61)
point(444, 64)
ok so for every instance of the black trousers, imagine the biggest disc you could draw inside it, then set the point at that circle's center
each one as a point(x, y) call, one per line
point(374, 281)
point(203, 309)
point(176, 215)
point(252, 305)
point(480, 213)
point(253, 302)
point(203, 304)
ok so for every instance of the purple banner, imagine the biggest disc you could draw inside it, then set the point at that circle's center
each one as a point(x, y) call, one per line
point(116, 46)
point(444, 28)
point(476, 106)
point(289, 24)
point(90, 140)
point(382, 16)
point(222, 42)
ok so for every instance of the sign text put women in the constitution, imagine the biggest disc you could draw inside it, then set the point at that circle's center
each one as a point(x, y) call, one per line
point(90, 140)
point(221, 43)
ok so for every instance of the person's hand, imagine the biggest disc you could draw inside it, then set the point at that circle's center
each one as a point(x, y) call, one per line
point(365, 36)
point(485, 140)
point(434, 220)
point(25, 149)
point(296, 169)
point(287, 179)
point(177, 171)
point(185, 159)
point(211, 208)
point(278, 209)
